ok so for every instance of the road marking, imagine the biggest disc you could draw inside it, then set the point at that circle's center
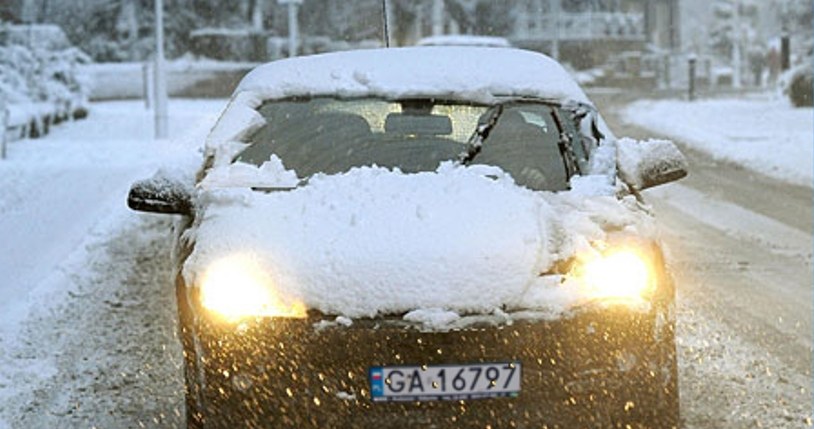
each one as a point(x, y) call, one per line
point(736, 221)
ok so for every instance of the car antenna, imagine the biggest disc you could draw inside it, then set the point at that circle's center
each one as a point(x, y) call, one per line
point(386, 26)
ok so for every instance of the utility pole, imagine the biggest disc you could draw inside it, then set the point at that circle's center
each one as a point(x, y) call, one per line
point(3, 126)
point(131, 19)
point(736, 47)
point(555, 25)
point(437, 17)
point(785, 40)
point(293, 25)
point(257, 15)
point(161, 119)
point(522, 20)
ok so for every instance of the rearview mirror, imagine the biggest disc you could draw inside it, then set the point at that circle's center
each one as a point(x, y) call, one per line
point(161, 194)
point(427, 125)
point(645, 164)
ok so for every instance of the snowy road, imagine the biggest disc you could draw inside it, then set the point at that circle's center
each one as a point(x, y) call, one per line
point(739, 244)
point(99, 348)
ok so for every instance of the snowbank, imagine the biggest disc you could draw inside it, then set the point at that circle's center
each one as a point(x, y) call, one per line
point(760, 133)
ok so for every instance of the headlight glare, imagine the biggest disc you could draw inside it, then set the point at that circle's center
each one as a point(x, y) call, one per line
point(621, 274)
point(238, 287)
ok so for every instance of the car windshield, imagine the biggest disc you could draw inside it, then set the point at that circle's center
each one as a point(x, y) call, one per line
point(328, 135)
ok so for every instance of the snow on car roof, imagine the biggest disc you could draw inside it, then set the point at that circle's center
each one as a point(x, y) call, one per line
point(459, 73)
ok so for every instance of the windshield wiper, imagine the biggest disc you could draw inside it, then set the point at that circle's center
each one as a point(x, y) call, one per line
point(475, 142)
point(268, 189)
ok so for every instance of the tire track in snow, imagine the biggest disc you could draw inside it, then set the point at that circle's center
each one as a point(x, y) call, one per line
point(736, 221)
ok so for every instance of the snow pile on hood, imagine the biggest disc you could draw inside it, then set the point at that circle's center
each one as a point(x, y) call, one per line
point(375, 241)
point(272, 174)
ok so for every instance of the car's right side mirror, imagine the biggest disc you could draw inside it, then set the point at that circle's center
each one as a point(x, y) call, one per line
point(645, 164)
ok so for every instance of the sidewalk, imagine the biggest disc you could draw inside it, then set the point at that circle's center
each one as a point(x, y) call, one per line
point(58, 188)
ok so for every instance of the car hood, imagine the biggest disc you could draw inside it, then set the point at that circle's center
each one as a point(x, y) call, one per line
point(375, 241)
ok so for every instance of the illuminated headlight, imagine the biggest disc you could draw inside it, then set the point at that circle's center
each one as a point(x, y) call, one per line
point(623, 274)
point(238, 287)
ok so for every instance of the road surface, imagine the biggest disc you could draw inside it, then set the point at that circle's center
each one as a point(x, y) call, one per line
point(739, 245)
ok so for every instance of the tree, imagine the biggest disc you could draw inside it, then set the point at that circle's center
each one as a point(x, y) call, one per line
point(723, 32)
point(481, 16)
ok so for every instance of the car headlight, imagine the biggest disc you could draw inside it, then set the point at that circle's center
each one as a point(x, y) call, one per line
point(237, 287)
point(619, 274)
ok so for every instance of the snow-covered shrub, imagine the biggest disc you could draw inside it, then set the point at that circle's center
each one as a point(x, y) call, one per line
point(798, 85)
point(42, 79)
point(62, 80)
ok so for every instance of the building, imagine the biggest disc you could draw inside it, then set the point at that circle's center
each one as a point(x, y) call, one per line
point(585, 33)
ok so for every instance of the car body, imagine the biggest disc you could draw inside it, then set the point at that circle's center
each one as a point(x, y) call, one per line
point(421, 237)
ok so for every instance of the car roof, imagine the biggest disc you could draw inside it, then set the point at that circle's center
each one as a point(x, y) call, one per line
point(476, 74)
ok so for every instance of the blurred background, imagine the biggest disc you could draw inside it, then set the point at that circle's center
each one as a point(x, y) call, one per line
point(649, 44)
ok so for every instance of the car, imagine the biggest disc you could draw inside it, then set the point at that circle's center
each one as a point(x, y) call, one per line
point(420, 237)
point(465, 40)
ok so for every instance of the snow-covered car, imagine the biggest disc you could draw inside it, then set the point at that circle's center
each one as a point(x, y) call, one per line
point(421, 237)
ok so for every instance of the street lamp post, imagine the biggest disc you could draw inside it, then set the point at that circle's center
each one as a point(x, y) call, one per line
point(3, 127)
point(160, 81)
point(555, 42)
point(736, 47)
point(293, 27)
point(691, 63)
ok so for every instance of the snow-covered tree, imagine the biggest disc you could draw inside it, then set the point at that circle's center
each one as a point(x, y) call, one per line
point(725, 30)
point(482, 16)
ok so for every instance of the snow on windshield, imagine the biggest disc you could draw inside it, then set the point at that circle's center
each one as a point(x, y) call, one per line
point(377, 241)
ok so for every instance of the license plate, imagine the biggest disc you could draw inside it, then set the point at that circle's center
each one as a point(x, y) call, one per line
point(444, 382)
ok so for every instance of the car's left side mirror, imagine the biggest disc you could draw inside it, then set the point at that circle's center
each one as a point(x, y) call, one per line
point(645, 164)
point(161, 194)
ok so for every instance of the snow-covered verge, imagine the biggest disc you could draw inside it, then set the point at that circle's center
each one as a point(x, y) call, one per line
point(99, 348)
point(62, 198)
point(760, 132)
point(55, 189)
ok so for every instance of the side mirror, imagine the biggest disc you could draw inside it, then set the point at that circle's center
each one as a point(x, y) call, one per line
point(161, 194)
point(645, 164)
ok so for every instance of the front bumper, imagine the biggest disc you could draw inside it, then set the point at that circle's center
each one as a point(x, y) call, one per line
point(605, 367)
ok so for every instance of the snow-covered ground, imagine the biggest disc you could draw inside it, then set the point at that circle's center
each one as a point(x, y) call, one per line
point(63, 197)
point(761, 132)
point(56, 189)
